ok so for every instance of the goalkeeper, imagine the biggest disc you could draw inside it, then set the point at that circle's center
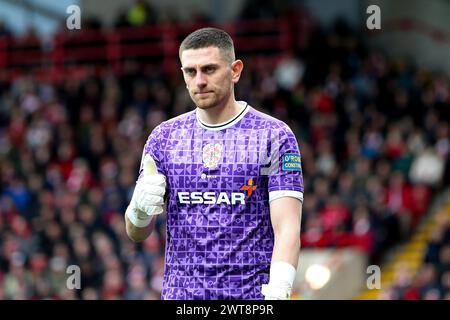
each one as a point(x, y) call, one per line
point(233, 182)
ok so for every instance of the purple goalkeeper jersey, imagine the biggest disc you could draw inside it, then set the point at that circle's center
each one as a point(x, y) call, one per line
point(220, 181)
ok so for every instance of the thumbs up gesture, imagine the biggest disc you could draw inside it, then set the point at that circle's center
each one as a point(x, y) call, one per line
point(148, 195)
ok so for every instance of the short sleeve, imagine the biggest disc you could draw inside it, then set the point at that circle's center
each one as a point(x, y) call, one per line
point(285, 174)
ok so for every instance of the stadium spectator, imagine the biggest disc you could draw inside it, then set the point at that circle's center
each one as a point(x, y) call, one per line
point(141, 13)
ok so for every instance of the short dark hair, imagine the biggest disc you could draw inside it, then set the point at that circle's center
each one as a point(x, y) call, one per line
point(209, 37)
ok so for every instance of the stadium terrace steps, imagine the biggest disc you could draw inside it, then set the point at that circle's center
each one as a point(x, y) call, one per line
point(410, 255)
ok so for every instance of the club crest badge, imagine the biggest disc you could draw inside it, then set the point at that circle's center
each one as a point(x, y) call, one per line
point(212, 154)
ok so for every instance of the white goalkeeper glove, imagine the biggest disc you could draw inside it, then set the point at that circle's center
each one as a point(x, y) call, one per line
point(282, 275)
point(148, 195)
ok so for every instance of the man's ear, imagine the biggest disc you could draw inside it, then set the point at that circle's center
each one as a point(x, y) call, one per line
point(236, 69)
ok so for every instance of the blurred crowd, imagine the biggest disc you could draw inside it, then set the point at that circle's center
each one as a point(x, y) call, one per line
point(372, 131)
point(432, 280)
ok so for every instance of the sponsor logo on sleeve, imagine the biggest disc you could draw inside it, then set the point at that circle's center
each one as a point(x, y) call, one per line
point(291, 162)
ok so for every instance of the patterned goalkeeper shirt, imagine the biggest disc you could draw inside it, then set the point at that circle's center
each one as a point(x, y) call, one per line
point(220, 181)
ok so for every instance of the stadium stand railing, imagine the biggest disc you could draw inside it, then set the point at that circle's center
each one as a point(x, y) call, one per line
point(156, 45)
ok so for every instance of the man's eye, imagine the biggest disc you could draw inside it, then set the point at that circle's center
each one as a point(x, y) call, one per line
point(190, 72)
point(209, 69)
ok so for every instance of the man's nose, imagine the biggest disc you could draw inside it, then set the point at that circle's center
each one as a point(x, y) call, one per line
point(200, 79)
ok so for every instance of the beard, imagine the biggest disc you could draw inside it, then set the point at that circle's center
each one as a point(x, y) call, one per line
point(208, 101)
